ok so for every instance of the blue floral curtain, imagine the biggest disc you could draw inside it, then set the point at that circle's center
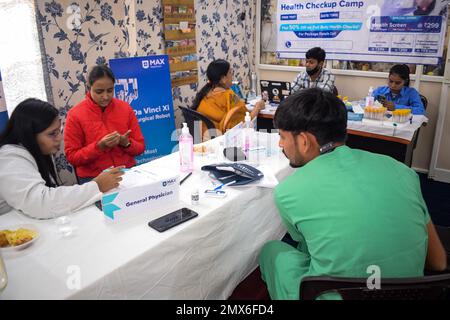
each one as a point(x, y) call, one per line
point(79, 34)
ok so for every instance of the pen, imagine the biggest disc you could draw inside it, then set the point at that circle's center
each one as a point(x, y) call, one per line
point(223, 185)
point(256, 148)
point(184, 179)
point(123, 169)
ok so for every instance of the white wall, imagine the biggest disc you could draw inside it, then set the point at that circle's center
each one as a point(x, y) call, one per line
point(356, 87)
point(444, 152)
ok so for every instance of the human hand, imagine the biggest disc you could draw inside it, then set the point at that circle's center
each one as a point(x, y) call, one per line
point(124, 141)
point(109, 141)
point(260, 105)
point(109, 179)
point(389, 105)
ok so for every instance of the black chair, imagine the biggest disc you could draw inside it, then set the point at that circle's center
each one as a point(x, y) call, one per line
point(425, 105)
point(194, 121)
point(76, 176)
point(444, 235)
point(424, 101)
point(335, 91)
point(416, 135)
point(436, 287)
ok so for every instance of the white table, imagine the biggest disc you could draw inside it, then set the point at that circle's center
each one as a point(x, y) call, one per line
point(204, 258)
point(403, 133)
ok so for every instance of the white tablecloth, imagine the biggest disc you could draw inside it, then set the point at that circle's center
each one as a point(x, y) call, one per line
point(404, 131)
point(386, 128)
point(204, 258)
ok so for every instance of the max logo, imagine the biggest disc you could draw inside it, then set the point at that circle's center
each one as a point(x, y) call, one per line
point(152, 63)
point(168, 182)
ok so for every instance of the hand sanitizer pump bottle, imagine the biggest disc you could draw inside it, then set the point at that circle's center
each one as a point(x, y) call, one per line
point(186, 150)
point(370, 100)
point(247, 133)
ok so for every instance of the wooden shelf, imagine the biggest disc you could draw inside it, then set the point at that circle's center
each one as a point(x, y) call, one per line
point(183, 66)
point(183, 81)
point(181, 51)
point(175, 18)
point(178, 3)
point(177, 35)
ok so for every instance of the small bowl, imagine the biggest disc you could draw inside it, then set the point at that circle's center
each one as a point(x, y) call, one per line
point(23, 245)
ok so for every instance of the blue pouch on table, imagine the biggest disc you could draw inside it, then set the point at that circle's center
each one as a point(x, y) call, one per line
point(237, 89)
point(348, 106)
point(234, 174)
point(354, 116)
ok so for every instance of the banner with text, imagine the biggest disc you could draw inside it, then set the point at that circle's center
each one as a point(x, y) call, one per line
point(3, 111)
point(396, 31)
point(144, 82)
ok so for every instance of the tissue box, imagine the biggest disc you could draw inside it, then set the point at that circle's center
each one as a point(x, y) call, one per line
point(142, 189)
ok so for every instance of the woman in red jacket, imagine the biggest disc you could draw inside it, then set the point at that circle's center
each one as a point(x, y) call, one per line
point(101, 131)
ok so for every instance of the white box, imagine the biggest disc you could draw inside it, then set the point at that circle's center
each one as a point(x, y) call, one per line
point(140, 191)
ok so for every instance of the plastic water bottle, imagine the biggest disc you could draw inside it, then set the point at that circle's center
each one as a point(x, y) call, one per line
point(252, 92)
point(247, 133)
point(3, 275)
point(186, 150)
point(370, 100)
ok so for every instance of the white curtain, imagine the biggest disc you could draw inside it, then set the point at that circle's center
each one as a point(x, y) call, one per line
point(20, 56)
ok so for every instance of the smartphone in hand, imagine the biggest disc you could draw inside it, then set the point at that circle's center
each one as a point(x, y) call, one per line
point(381, 98)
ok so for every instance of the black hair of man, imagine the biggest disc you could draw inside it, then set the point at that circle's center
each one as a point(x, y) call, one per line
point(315, 111)
point(316, 53)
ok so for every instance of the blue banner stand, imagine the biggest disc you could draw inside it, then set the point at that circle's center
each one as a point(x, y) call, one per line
point(144, 82)
point(3, 111)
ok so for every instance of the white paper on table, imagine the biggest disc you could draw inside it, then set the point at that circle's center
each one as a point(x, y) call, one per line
point(135, 177)
point(269, 180)
point(357, 108)
point(254, 101)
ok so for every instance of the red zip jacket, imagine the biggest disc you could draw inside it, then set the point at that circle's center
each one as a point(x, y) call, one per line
point(86, 125)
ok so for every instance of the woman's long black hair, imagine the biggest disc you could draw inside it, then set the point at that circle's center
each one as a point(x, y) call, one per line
point(402, 70)
point(29, 118)
point(215, 71)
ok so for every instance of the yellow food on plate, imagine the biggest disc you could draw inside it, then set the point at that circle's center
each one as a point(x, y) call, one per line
point(3, 241)
point(13, 238)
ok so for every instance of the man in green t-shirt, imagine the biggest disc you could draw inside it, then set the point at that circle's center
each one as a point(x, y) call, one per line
point(351, 211)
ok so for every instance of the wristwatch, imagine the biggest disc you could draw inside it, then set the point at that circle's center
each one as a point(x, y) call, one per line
point(128, 144)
